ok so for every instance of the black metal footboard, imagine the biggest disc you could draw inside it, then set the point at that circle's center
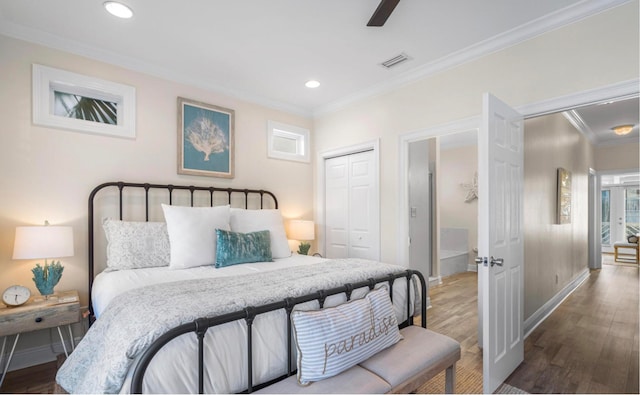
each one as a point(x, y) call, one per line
point(248, 314)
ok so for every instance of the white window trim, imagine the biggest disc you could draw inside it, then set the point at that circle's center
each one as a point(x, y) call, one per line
point(300, 135)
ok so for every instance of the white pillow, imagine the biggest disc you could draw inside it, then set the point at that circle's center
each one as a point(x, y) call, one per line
point(334, 339)
point(192, 234)
point(133, 245)
point(246, 221)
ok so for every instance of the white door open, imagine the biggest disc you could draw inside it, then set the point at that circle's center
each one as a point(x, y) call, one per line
point(500, 240)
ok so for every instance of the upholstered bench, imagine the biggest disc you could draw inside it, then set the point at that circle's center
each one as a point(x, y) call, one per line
point(625, 245)
point(401, 368)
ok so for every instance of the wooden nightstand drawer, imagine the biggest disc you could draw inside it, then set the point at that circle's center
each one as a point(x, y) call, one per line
point(40, 315)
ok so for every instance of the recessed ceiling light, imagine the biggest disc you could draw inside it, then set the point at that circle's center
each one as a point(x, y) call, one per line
point(118, 9)
point(621, 130)
point(312, 84)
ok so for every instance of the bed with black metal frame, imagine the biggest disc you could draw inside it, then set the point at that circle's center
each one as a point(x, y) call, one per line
point(263, 199)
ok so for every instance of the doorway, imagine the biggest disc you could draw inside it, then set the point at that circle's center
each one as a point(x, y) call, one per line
point(620, 208)
point(553, 294)
point(443, 212)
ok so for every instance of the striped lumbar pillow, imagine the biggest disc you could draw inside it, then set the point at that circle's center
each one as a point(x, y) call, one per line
point(334, 339)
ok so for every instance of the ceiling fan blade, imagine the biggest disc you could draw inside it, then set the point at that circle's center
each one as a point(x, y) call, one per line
point(385, 8)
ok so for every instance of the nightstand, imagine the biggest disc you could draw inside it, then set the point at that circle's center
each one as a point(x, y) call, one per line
point(62, 308)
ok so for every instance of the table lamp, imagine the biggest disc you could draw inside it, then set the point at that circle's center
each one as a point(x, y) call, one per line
point(44, 242)
point(302, 231)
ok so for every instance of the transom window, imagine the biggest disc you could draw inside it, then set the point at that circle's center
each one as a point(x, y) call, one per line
point(287, 142)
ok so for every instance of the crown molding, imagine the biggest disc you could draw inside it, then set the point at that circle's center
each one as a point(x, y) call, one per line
point(576, 120)
point(565, 16)
point(555, 20)
point(35, 36)
point(614, 92)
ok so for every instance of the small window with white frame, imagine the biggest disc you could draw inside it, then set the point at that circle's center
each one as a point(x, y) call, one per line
point(287, 142)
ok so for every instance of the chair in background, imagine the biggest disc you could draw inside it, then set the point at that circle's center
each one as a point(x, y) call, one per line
point(631, 243)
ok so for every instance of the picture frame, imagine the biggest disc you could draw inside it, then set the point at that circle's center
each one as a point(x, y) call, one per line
point(205, 139)
point(563, 197)
point(77, 102)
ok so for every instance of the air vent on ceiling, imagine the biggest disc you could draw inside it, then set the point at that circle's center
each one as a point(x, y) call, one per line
point(396, 60)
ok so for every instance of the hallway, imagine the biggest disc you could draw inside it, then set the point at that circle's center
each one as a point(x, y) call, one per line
point(588, 345)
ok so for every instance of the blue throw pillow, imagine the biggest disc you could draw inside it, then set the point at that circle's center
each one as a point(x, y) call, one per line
point(233, 248)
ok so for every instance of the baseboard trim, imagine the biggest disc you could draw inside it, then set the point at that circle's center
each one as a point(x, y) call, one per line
point(33, 356)
point(531, 323)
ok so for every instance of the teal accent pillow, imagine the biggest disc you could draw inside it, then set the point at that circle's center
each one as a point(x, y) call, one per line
point(233, 248)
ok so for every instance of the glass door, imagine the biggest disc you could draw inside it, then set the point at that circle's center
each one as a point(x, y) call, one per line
point(606, 220)
point(620, 214)
point(631, 211)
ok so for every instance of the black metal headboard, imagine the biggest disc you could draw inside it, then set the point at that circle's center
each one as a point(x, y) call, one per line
point(193, 190)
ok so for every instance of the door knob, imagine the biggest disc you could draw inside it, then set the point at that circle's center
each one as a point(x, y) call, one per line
point(480, 260)
point(497, 261)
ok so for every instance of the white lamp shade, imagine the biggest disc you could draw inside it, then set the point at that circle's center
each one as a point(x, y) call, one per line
point(37, 242)
point(301, 230)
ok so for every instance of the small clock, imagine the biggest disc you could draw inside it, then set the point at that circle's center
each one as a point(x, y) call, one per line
point(16, 295)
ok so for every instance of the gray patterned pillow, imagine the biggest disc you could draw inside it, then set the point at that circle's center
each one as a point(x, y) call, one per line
point(334, 339)
point(135, 245)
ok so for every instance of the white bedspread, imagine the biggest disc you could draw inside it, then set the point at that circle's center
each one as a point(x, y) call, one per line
point(133, 319)
point(109, 284)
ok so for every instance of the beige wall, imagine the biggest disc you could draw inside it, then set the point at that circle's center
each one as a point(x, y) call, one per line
point(617, 157)
point(48, 173)
point(552, 250)
point(567, 60)
point(457, 166)
point(575, 58)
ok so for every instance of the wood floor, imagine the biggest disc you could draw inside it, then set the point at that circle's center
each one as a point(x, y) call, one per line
point(39, 379)
point(588, 345)
point(454, 312)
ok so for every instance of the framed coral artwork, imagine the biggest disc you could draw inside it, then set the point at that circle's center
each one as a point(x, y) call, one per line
point(205, 139)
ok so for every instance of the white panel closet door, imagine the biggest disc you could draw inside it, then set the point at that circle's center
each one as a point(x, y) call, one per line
point(352, 207)
point(337, 207)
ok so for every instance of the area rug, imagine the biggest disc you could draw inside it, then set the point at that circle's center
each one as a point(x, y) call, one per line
point(468, 381)
point(507, 389)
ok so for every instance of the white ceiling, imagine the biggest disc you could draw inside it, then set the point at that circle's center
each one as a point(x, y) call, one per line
point(596, 121)
point(265, 50)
